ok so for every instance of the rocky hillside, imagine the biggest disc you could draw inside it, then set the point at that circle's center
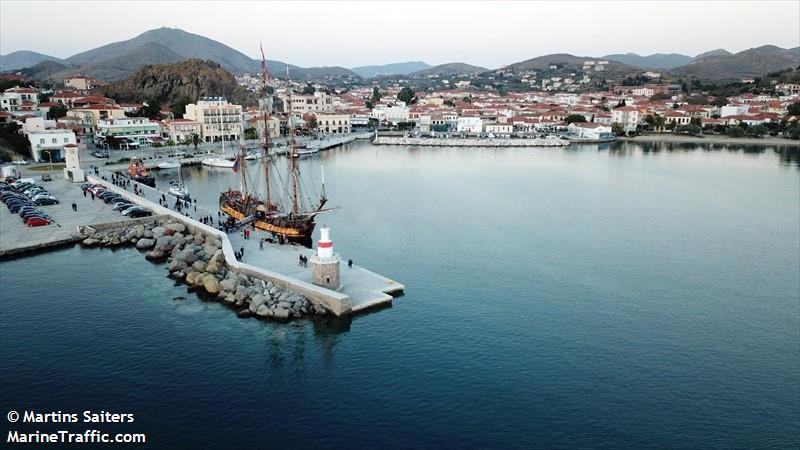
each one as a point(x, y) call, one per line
point(23, 58)
point(169, 84)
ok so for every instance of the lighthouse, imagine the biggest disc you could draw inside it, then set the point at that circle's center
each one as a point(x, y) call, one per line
point(325, 264)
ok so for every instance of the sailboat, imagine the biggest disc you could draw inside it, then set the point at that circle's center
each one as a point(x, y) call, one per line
point(291, 220)
point(219, 161)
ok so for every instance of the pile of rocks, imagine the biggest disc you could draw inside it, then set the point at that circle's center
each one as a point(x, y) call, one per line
point(198, 261)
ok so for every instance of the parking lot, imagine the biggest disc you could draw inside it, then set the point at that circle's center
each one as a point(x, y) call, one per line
point(15, 234)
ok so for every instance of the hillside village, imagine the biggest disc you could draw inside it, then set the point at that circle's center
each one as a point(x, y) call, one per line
point(76, 113)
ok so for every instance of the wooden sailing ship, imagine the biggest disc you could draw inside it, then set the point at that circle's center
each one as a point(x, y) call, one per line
point(289, 219)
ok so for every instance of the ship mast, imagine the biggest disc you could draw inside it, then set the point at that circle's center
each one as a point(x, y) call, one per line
point(265, 155)
point(290, 123)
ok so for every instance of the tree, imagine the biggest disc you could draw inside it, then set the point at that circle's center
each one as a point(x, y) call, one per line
point(376, 94)
point(152, 110)
point(406, 95)
point(369, 104)
point(312, 123)
point(250, 133)
point(759, 130)
point(195, 140)
point(309, 89)
point(735, 131)
point(56, 112)
point(794, 109)
point(574, 118)
point(621, 103)
point(179, 108)
point(720, 102)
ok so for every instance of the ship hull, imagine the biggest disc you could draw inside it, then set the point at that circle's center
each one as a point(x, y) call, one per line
point(294, 228)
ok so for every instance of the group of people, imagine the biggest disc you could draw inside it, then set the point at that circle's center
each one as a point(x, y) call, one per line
point(303, 261)
point(239, 254)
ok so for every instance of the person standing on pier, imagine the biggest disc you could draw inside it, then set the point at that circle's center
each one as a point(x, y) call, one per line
point(349, 263)
point(241, 251)
point(261, 244)
point(75, 207)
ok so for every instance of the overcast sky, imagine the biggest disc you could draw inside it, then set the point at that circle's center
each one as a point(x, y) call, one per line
point(489, 34)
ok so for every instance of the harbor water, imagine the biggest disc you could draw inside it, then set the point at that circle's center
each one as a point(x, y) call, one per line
point(603, 296)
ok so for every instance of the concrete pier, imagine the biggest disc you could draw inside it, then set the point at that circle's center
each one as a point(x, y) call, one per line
point(469, 142)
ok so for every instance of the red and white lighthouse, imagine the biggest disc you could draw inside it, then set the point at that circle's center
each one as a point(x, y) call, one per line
point(325, 264)
point(325, 244)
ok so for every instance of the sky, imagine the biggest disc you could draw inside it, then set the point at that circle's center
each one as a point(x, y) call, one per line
point(349, 34)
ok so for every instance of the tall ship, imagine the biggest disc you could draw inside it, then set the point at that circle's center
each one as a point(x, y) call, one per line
point(281, 209)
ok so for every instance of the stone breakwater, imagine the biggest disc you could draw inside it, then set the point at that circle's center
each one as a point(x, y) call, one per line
point(197, 260)
point(468, 142)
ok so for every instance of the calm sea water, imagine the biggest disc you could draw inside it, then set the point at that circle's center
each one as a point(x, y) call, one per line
point(621, 296)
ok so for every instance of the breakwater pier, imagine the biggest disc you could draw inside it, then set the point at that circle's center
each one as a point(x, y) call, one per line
point(271, 274)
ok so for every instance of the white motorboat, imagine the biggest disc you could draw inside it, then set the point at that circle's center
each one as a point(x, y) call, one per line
point(169, 165)
point(217, 162)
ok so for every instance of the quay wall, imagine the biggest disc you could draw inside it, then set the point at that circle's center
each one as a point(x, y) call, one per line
point(333, 301)
point(468, 142)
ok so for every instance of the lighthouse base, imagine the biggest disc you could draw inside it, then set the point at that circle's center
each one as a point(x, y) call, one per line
point(325, 272)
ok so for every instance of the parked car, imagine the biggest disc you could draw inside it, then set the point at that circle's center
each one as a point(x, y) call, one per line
point(139, 213)
point(113, 199)
point(121, 206)
point(47, 177)
point(127, 212)
point(37, 222)
point(46, 201)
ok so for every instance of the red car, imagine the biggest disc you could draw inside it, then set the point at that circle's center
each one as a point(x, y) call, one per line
point(36, 221)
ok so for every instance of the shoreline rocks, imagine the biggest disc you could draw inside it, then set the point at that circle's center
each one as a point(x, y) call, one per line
point(197, 260)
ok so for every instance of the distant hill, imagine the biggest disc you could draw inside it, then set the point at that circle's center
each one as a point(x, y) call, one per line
point(163, 45)
point(716, 52)
point(450, 69)
point(654, 61)
point(403, 68)
point(23, 58)
point(172, 83)
point(181, 43)
point(754, 62)
point(567, 63)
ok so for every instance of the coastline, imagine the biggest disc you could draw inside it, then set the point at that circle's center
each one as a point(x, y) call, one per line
point(710, 139)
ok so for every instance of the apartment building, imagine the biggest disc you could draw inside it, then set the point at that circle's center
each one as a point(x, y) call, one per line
point(217, 118)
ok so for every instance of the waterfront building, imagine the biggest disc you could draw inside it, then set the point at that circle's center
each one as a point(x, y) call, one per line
point(140, 130)
point(469, 124)
point(217, 118)
point(677, 117)
point(181, 129)
point(499, 128)
point(333, 123)
point(627, 117)
point(590, 131)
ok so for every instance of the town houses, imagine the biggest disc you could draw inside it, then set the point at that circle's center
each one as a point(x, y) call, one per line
point(78, 112)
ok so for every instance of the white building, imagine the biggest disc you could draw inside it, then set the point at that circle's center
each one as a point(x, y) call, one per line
point(626, 117)
point(392, 114)
point(469, 124)
point(52, 142)
point(217, 117)
point(591, 131)
point(17, 99)
point(733, 110)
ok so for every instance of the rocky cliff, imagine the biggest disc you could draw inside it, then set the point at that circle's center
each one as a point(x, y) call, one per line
point(169, 84)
